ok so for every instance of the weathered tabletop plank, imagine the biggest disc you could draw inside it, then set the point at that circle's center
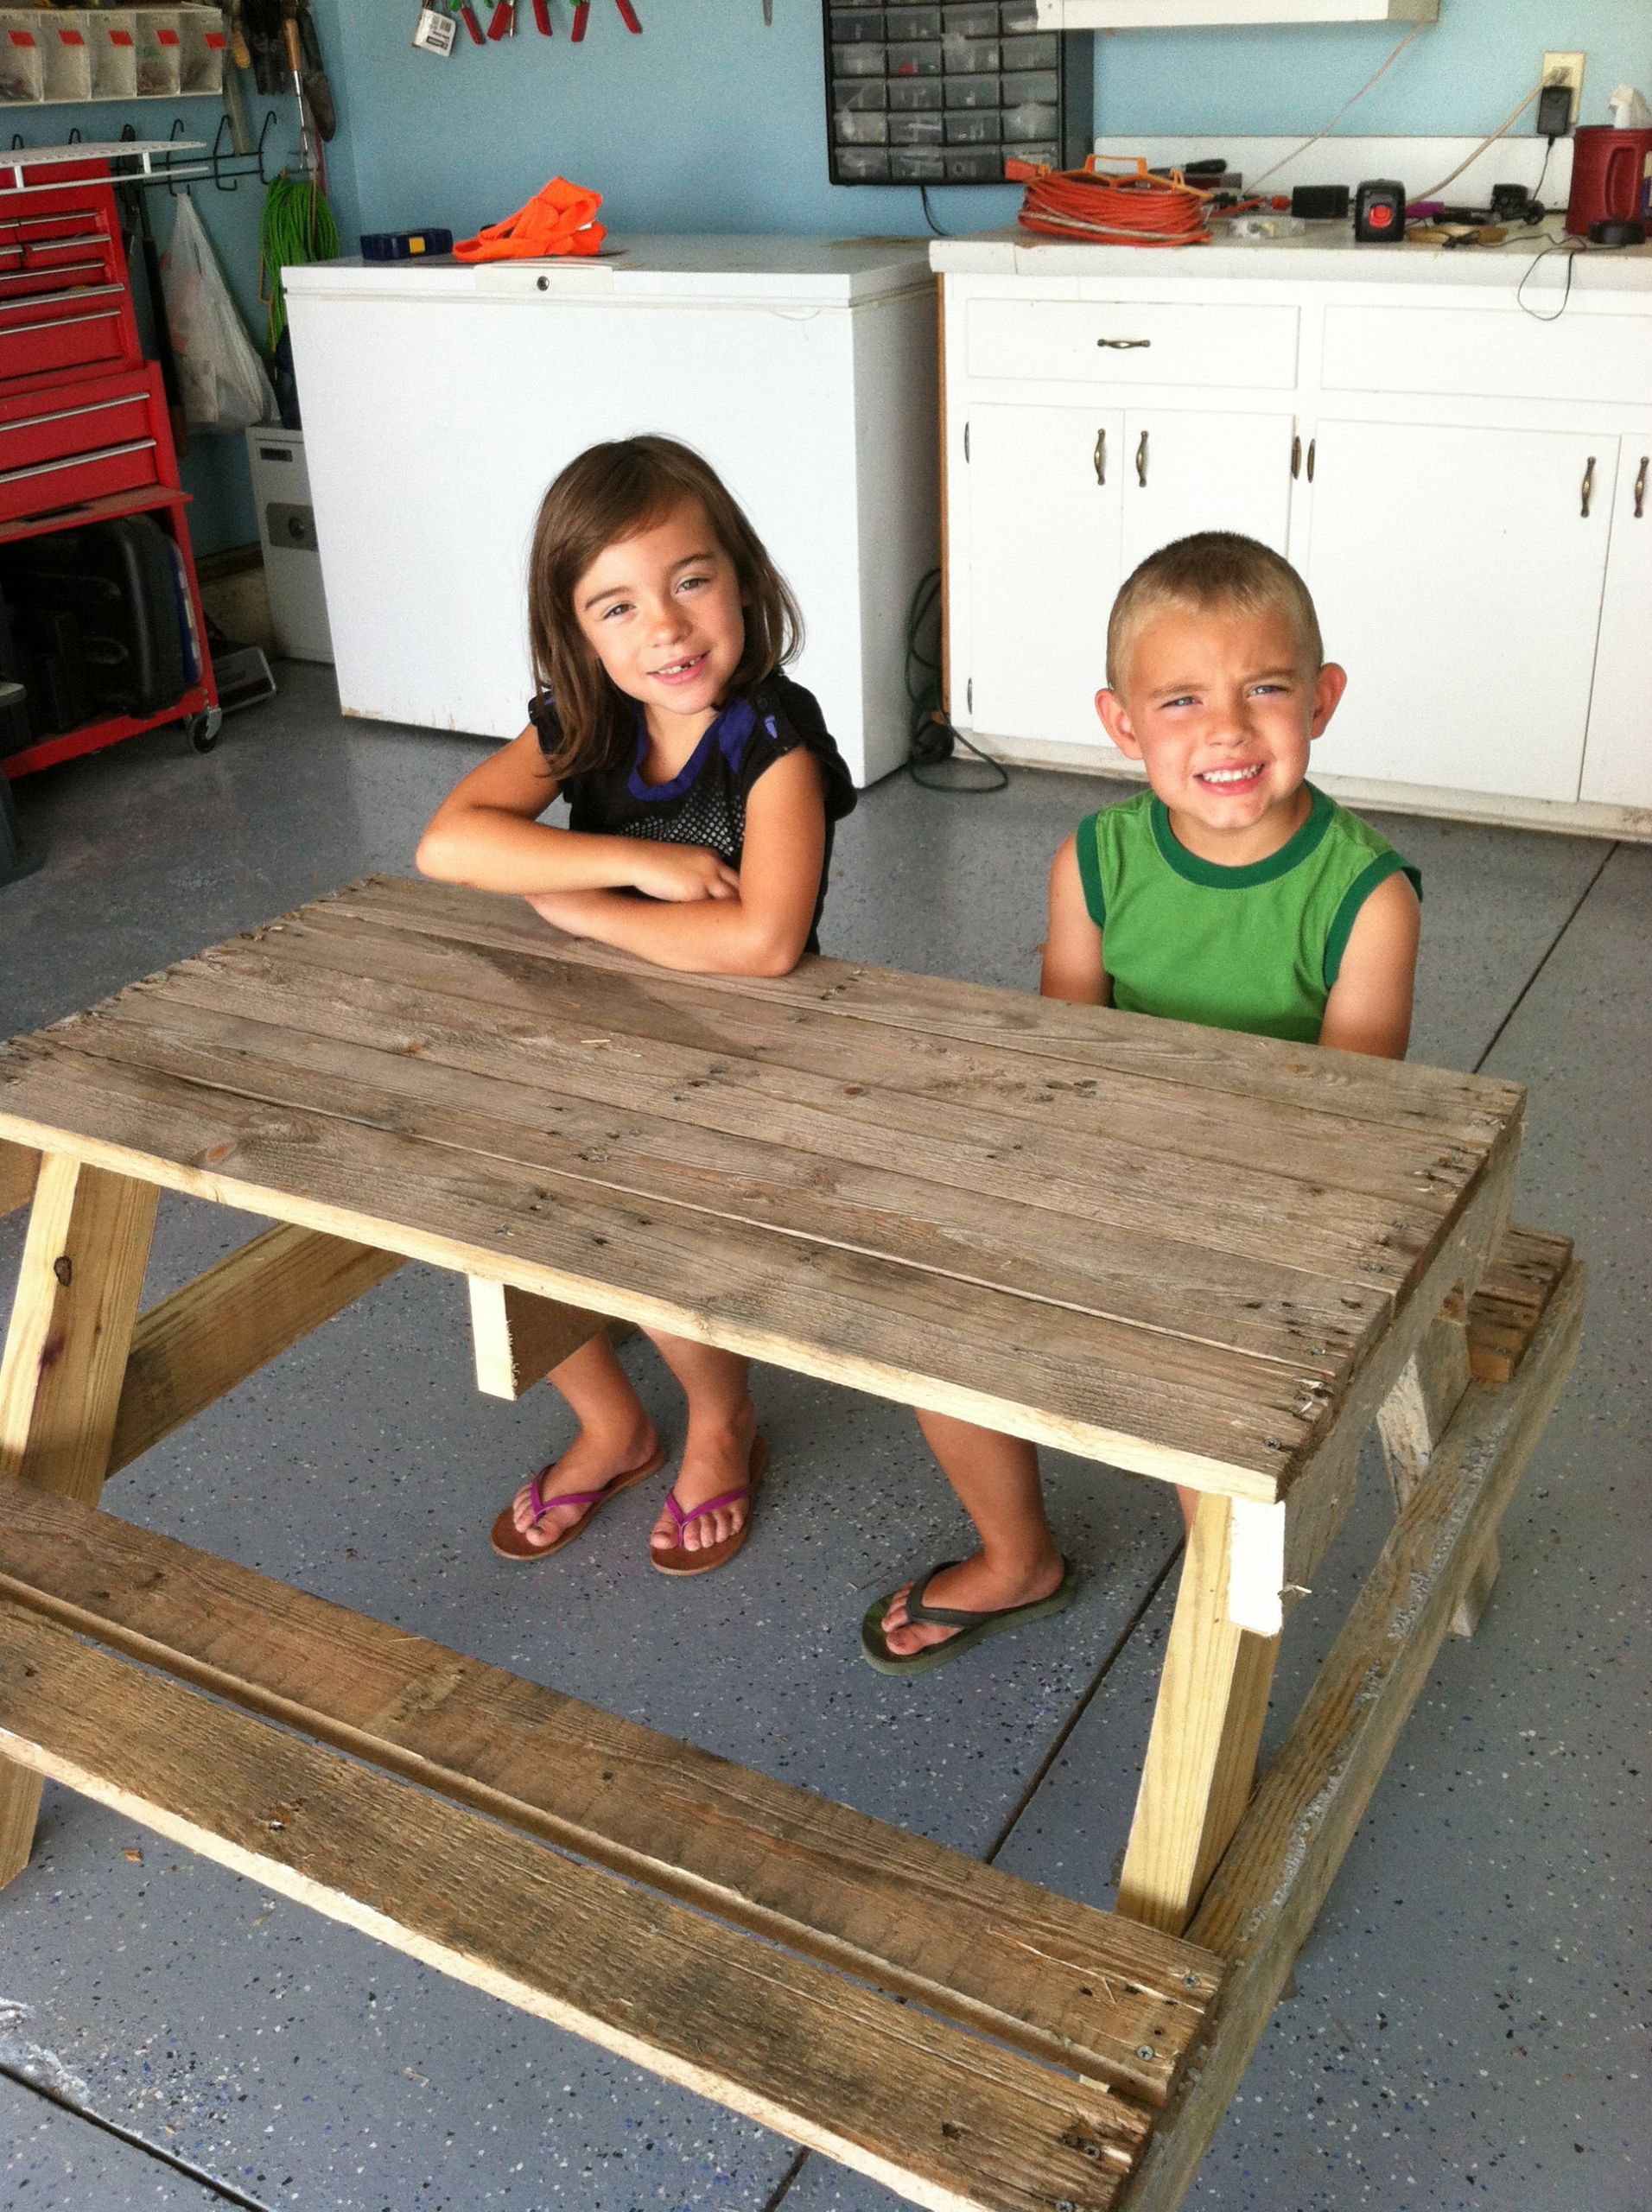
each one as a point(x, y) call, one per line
point(1069, 1984)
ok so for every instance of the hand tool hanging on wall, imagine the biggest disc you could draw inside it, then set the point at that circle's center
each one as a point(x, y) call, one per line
point(542, 17)
point(503, 21)
point(627, 16)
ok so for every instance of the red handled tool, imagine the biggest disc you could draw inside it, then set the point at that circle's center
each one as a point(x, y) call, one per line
point(542, 17)
point(468, 16)
point(502, 23)
point(627, 16)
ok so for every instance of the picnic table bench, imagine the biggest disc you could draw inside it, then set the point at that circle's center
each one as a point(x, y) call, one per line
point(1203, 1258)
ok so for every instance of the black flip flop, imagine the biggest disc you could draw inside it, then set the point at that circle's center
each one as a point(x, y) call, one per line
point(974, 1628)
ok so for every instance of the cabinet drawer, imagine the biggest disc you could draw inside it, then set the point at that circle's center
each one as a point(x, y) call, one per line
point(1476, 353)
point(65, 330)
point(1108, 343)
point(96, 438)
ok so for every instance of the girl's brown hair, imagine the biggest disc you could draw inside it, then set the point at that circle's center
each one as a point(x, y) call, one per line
point(610, 493)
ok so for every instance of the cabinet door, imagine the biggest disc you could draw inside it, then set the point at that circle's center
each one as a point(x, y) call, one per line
point(1617, 759)
point(1192, 472)
point(1043, 492)
point(1458, 576)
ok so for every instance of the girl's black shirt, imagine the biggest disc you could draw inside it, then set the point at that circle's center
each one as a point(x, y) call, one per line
point(705, 803)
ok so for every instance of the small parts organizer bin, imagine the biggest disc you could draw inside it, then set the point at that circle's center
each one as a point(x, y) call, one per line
point(85, 440)
point(109, 54)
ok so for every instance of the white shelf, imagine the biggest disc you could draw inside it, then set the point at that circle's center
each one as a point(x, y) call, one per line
point(1170, 15)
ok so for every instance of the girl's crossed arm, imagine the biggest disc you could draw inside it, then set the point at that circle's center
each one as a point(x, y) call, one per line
point(761, 927)
point(486, 833)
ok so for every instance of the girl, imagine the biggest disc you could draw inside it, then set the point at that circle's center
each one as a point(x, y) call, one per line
point(703, 787)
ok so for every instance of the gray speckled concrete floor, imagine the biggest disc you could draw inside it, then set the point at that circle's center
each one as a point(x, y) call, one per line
point(1470, 2026)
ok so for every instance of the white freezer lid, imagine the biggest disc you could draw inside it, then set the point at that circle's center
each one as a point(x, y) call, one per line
point(823, 271)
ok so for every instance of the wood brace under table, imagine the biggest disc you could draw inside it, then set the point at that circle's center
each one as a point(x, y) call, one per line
point(404, 1072)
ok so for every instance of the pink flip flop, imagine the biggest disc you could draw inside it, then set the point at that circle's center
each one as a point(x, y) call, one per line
point(511, 1542)
point(674, 1560)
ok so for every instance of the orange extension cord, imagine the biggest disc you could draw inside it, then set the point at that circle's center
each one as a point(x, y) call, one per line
point(1145, 209)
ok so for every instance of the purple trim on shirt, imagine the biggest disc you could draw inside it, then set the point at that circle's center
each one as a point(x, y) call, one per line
point(730, 732)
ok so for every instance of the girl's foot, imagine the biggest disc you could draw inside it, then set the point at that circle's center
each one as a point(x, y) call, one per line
point(589, 1464)
point(715, 1460)
point(971, 1586)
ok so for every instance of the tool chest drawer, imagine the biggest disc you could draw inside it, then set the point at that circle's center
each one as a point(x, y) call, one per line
point(89, 327)
point(84, 441)
point(1111, 342)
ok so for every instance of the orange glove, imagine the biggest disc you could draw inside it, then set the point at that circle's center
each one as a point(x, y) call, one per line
point(559, 219)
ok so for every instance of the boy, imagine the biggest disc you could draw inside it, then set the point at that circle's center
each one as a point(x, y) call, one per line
point(1231, 893)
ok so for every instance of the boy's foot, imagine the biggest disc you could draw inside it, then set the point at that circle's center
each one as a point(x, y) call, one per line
point(971, 1586)
point(552, 1506)
point(716, 1462)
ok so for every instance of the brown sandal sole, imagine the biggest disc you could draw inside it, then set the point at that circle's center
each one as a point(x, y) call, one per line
point(511, 1542)
point(712, 1556)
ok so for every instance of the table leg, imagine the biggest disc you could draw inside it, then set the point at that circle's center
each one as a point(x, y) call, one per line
point(1411, 1421)
point(61, 1375)
point(1202, 1755)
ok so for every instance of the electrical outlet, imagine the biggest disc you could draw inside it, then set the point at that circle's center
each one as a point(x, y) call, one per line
point(1567, 69)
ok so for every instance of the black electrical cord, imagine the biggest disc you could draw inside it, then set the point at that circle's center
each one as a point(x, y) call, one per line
point(931, 738)
point(929, 215)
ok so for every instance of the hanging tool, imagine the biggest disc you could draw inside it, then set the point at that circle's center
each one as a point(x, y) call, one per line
point(768, 15)
point(468, 16)
point(503, 24)
point(542, 18)
point(627, 16)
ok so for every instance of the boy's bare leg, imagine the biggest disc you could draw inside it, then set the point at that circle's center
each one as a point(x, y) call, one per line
point(997, 1481)
point(717, 1455)
point(615, 1434)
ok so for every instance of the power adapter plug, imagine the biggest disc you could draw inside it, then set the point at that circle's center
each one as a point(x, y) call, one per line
point(1554, 111)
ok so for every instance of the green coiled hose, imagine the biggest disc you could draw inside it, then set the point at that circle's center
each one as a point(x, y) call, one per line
point(298, 226)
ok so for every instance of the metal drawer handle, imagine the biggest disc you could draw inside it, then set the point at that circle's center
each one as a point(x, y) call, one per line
point(1588, 486)
point(77, 459)
point(60, 322)
point(57, 269)
point(1124, 345)
point(1640, 487)
point(78, 292)
point(1100, 459)
point(68, 414)
point(1142, 461)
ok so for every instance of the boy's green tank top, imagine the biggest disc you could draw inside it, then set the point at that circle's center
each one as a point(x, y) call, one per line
point(1254, 948)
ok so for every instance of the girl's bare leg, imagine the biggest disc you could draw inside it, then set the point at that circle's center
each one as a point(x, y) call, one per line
point(615, 1434)
point(997, 1481)
point(722, 1423)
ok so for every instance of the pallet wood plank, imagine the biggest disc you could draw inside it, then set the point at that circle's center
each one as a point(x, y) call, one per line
point(1509, 1302)
point(1066, 1983)
point(947, 2119)
point(1270, 1884)
point(1257, 1244)
point(78, 1290)
point(1070, 1097)
point(19, 1165)
point(209, 1336)
point(917, 1225)
point(823, 1311)
point(1457, 1107)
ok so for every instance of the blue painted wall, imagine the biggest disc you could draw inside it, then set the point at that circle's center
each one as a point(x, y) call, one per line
point(710, 122)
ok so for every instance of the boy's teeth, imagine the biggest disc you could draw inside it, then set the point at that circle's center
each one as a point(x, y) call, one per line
point(1228, 775)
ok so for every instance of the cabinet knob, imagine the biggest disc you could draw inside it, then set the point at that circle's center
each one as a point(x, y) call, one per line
point(1124, 345)
point(1588, 485)
point(1640, 487)
point(1142, 461)
point(1100, 457)
point(1313, 454)
point(1296, 457)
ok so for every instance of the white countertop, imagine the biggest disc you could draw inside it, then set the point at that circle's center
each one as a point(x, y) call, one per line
point(826, 271)
point(1325, 254)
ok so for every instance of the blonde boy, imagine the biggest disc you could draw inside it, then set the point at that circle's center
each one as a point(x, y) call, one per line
point(1229, 893)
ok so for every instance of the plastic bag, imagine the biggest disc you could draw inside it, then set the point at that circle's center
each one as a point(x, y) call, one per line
point(222, 379)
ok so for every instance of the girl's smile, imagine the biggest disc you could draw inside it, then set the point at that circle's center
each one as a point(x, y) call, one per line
point(661, 610)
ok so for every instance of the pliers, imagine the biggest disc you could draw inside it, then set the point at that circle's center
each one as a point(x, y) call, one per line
point(542, 17)
point(468, 16)
point(627, 14)
point(502, 22)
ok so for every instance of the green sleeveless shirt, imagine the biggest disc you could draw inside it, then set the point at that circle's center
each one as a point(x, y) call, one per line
point(1254, 948)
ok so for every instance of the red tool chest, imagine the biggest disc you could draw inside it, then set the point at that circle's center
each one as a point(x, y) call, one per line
point(85, 435)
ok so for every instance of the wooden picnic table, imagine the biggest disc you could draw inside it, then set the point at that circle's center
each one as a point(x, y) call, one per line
point(1204, 1258)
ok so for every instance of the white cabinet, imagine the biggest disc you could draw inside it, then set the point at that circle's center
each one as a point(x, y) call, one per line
point(1466, 487)
point(1617, 760)
point(1457, 577)
point(440, 400)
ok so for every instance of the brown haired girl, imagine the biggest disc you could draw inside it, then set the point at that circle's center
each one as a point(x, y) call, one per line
point(702, 786)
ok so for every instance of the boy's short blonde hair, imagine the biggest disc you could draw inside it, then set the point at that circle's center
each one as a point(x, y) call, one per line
point(1218, 568)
